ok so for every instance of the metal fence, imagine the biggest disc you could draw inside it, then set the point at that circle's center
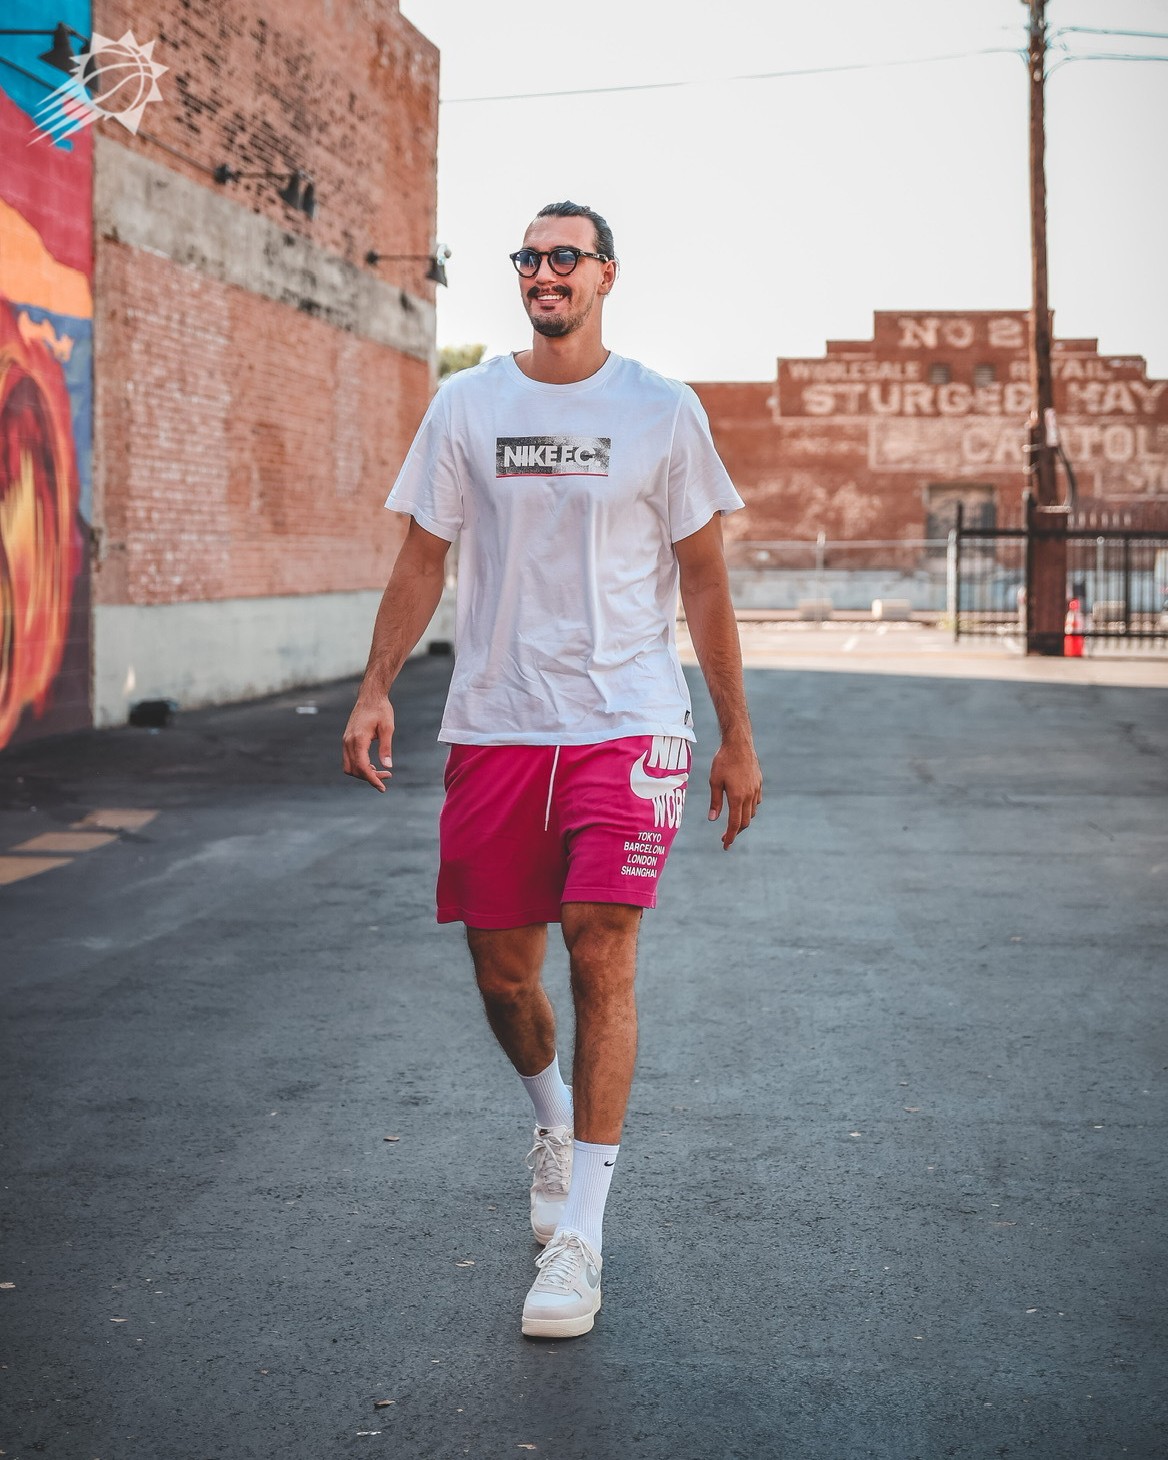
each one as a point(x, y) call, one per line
point(975, 581)
point(1118, 575)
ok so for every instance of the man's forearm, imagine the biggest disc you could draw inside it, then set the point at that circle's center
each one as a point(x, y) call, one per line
point(408, 604)
point(713, 630)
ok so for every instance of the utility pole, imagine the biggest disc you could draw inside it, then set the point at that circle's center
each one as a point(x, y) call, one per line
point(1046, 576)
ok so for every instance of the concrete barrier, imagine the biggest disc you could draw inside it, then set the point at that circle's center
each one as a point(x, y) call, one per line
point(211, 653)
point(847, 588)
point(891, 608)
point(814, 608)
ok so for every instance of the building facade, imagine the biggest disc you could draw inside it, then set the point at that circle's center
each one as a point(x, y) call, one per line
point(206, 388)
point(880, 438)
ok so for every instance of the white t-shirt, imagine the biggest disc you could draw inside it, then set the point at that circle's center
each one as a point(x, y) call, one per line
point(568, 499)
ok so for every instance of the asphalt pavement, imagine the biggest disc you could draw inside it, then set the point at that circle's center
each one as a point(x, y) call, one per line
point(892, 1182)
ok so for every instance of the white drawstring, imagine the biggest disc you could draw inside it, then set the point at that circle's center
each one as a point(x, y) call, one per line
point(547, 815)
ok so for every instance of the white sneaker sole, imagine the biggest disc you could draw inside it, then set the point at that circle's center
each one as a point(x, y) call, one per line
point(543, 1237)
point(561, 1327)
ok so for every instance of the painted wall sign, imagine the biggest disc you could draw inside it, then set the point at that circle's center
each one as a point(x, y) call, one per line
point(854, 442)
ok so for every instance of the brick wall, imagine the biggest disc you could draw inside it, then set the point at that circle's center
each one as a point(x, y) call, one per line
point(880, 438)
point(244, 438)
point(345, 89)
point(246, 448)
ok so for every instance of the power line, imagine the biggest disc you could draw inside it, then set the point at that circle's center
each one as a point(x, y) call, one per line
point(753, 76)
point(1102, 56)
point(1149, 35)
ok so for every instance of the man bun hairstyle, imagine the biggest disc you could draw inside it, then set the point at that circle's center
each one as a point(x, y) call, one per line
point(603, 232)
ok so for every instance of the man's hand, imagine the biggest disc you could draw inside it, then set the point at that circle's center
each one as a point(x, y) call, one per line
point(735, 777)
point(408, 604)
point(371, 720)
point(709, 612)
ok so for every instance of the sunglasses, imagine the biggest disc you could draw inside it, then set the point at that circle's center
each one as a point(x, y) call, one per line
point(560, 260)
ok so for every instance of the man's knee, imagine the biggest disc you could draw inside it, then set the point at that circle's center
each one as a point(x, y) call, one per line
point(504, 985)
point(507, 962)
point(601, 939)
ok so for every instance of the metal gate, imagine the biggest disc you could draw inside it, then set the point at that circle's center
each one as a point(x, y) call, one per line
point(1118, 574)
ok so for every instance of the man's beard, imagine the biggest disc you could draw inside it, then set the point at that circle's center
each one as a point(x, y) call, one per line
point(556, 327)
point(553, 329)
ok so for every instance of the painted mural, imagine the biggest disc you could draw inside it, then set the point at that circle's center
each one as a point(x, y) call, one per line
point(46, 408)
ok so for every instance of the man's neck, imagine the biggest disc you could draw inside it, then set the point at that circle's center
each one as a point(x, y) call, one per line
point(563, 361)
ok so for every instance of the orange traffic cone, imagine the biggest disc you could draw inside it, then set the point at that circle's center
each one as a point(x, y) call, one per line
point(1073, 631)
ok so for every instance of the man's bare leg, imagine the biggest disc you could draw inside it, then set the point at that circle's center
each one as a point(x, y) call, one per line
point(601, 938)
point(508, 963)
point(507, 966)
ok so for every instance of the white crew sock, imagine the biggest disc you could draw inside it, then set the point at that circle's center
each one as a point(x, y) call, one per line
point(550, 1096)
point(591, 1177)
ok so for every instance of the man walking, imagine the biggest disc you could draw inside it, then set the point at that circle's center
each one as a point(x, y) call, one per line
point(586, 490)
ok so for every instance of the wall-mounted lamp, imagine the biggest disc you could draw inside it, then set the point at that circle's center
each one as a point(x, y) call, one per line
point(60, 54)
point(298, 190)
point(436, 273)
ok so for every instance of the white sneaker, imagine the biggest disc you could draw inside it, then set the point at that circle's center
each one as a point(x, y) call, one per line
point(550, 1161)
point(565, 1298)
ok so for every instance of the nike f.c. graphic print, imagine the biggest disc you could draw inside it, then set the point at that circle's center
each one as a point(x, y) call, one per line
point(556, 456)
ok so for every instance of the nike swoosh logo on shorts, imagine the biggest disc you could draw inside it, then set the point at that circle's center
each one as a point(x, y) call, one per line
point(646, 786)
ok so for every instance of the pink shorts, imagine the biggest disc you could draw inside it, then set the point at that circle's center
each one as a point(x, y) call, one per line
point(527, 827)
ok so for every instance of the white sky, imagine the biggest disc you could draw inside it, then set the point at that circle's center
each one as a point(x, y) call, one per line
point(761, 218)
